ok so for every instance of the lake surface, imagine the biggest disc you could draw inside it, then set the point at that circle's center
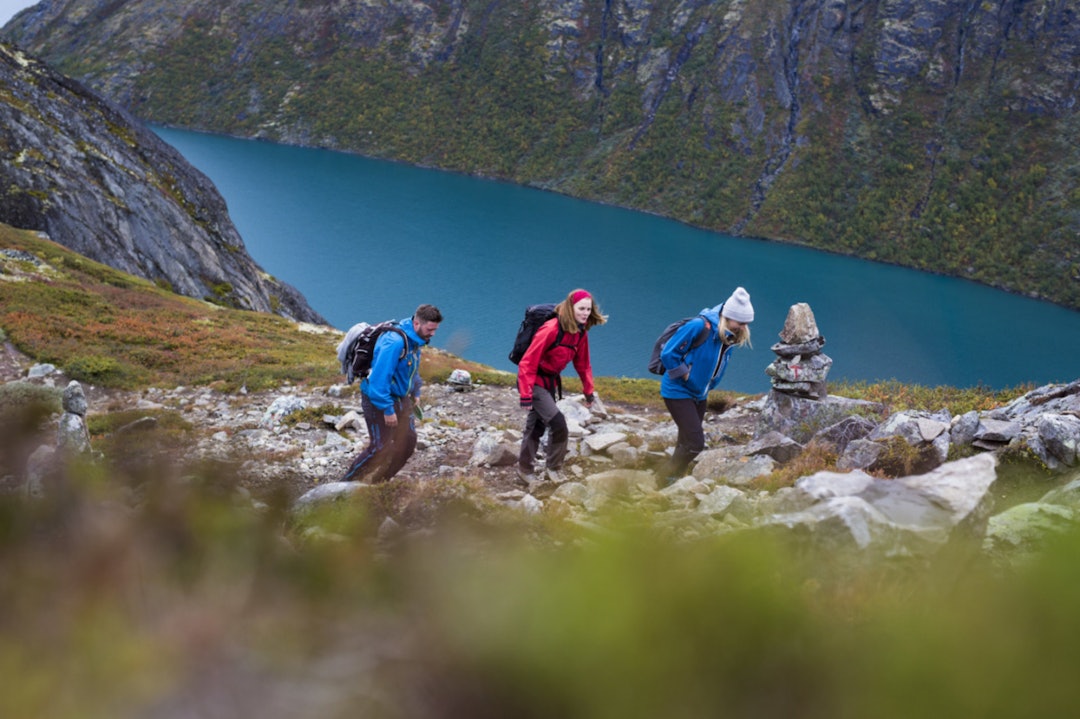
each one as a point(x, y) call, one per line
point(367, 240)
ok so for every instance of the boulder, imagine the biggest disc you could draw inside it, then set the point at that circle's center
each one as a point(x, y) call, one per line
point(1015, 533)
point(902, 517)
point(1060, 434)
point(802, 417)
point(773, 444)
point(838, 436)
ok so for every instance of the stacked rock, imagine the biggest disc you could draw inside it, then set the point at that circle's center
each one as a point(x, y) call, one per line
point(72, 437)
point(800, 368)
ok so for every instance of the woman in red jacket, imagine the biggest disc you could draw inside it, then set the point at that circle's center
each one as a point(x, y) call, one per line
point(559, 341)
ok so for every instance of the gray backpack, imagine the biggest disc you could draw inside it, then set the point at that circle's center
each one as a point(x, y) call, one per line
point(655, 365)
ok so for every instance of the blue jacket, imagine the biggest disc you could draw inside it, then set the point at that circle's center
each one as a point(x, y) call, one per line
point(693, 373)
point(392, 376)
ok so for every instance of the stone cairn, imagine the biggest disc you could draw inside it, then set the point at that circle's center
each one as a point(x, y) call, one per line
point(72, 437)
point(44, 468)
point(800, 368)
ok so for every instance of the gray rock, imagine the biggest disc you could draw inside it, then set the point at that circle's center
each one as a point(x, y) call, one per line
point(72, 437)
point(621, 482)
point(805, 376)
point(860, 454)
point(1027, 526)
point(1067, 494)
point(281, 407)
point(133, 203)
point(900, 517)
point(572, 492)
point(996, 431)
point(574, 410)
point(40, 370)
point(530, 505)
point(40, 472)
point(720, 501)
point(1060, 434)
point(839, 435)
point(799, 325)
point(600, 442)
point(964, 428)
point(915, 427)
point(351, 419)
point(825, 485)
point(623, 454)
point(801, 417)
point(716, 463)
point(493, 449)
point(329, 492)
point(75, 399)
point(773, 444)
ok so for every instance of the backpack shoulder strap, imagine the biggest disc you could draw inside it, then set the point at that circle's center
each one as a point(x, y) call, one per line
point(558, 335)
point(703, 334)
point(404, 339)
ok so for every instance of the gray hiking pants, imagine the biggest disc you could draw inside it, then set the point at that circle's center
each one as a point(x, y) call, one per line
point(544, 414)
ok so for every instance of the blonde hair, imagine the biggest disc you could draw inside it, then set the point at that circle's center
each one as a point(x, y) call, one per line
point(565, 311)
point(742, 335)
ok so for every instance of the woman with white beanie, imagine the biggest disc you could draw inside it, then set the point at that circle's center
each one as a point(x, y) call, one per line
point(694, 360)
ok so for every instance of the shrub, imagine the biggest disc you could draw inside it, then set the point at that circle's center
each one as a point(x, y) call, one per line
point(311, 415)
point(898, 396)
point(815, 457)
point(99, 370)
point(19, 396)
point(900, 459)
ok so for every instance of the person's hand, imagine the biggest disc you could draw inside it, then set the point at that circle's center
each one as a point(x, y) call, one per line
point(526, 403)
point(589, 399)
point(391, 420)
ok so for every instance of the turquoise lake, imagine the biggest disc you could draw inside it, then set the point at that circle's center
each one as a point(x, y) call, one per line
point(367, 240)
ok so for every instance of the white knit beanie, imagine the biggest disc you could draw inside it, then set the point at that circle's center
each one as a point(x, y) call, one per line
point(738, 306)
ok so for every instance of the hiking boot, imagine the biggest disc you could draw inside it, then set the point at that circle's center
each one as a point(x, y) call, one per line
point(525, 477)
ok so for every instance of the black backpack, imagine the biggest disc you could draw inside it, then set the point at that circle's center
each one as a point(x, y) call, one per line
point(535, 315)
point(356, 357)
point(655, 365)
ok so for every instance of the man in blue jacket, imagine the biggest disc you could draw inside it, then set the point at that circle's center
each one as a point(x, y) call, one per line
point(389, 395)
point(694, 367)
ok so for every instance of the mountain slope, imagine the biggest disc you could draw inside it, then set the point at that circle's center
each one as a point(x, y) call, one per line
point(938, 135)
point(94, 179)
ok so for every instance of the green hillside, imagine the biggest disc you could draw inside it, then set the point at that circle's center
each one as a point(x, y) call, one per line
point(938, 137)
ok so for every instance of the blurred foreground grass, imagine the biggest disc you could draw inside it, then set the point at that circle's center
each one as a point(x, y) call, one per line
point(152, 588)
point(135, 605)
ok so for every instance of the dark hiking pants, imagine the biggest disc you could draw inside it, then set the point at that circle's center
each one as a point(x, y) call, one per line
point(544, 414)
point(389, 448)
point(688, 415)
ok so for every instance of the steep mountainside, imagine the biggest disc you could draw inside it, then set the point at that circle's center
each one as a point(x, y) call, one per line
point(94, 179)
point(936, 134)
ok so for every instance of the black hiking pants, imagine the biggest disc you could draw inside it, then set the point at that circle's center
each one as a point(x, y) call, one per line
point(689, 414)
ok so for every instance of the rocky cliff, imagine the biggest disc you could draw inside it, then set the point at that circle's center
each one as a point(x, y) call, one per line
point(937, 134)
point(94, 179)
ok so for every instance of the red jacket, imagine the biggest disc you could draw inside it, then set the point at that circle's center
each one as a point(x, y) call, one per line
point(542, 363)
